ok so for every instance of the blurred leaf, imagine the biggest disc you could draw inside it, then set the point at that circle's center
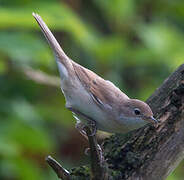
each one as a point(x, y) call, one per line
point(19, 46)
point(25, 168)
point(3, 66)
point(25, 112)
point(8, 148)
point(118, 11)
point(165, 41)
point(32, 139)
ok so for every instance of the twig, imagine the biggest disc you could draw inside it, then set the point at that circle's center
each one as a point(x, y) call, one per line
point(41, 77)
point(58, 169)
point(98, 164)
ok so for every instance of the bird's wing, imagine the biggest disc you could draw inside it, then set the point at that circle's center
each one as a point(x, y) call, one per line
point(103, 92)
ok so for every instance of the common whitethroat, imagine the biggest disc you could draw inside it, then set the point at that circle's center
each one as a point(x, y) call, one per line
point(93, 100)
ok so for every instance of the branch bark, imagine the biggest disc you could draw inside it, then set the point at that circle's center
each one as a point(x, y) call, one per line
point(150, 152)
point(58, 169)
point(98, 164)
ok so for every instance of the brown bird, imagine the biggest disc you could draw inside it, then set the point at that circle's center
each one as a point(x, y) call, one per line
point(93, 100)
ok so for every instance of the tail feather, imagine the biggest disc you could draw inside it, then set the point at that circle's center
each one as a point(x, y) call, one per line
point(61, 57)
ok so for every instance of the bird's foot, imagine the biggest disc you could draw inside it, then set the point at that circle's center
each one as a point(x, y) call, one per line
point(81, 126)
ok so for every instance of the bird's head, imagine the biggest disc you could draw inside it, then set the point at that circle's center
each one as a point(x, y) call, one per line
point(139, 109)
point(136, 113)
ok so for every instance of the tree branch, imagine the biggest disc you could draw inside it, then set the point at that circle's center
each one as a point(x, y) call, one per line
point(58, 169)
point(98, 164)
point(41, 77)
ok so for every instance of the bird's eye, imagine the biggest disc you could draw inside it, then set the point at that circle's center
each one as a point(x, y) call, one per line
point(137, 111)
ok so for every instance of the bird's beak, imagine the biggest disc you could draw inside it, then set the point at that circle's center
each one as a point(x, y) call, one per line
point(154, 120)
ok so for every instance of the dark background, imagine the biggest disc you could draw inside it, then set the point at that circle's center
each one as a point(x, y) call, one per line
point(135, 44)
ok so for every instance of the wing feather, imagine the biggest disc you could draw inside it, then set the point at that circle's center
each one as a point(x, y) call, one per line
point(104, 93)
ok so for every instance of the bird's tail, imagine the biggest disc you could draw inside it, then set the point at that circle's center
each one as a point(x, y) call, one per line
point(64, 63)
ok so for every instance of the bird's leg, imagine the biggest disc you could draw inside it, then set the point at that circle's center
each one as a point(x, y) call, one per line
point(80, 126)
point(92, 124)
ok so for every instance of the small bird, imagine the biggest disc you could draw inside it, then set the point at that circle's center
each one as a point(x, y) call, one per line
point(95, 102)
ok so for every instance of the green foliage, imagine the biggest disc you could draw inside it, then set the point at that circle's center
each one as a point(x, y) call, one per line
point(135, 44)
